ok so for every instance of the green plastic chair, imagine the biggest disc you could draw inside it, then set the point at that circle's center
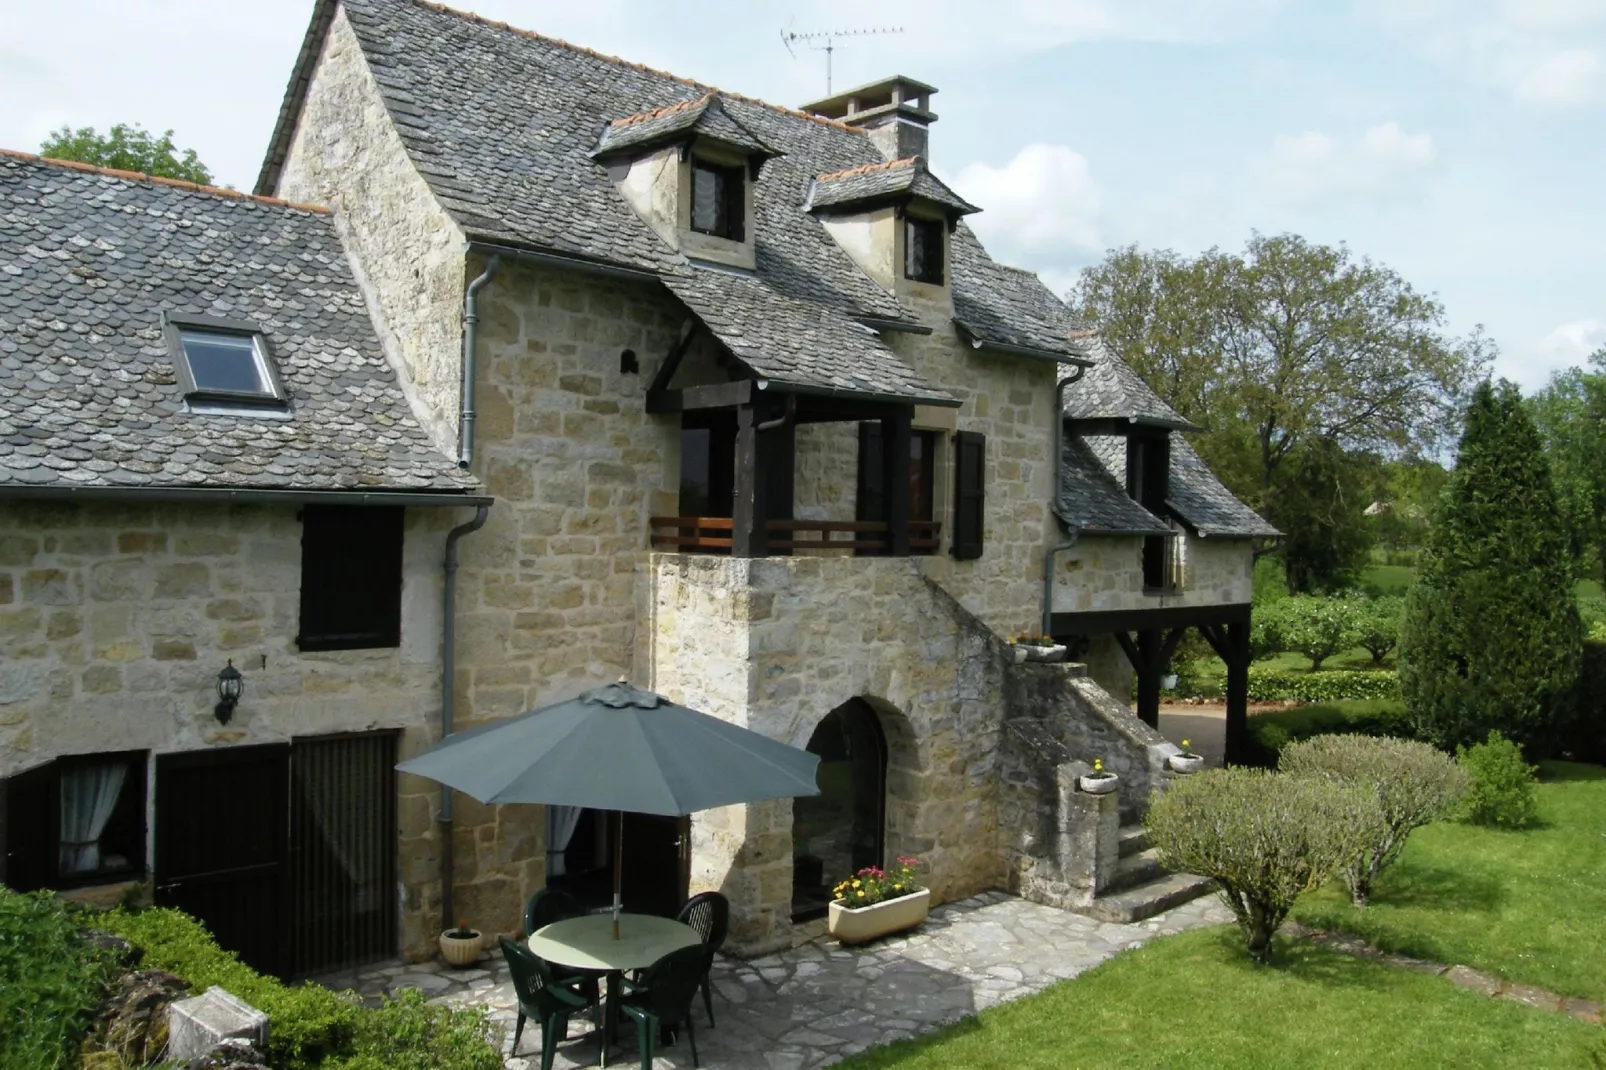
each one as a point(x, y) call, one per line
point(663, 997)
point(710, 914)
point(542, 997)
point(546, 906)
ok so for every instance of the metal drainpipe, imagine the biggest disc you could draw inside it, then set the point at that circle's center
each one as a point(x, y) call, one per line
point(1059, 475)
point(471, 320)
point(448, 671)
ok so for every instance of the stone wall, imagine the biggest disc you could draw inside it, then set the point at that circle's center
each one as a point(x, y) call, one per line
point(115, 620)
point(1106, 573)
point(404, 249)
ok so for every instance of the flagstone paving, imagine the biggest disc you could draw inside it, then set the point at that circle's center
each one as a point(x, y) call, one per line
point(821, 1002)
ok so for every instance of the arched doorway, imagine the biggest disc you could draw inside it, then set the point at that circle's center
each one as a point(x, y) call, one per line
point(840, 830)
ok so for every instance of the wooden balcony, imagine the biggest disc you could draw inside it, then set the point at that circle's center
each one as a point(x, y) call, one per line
point(713, 534)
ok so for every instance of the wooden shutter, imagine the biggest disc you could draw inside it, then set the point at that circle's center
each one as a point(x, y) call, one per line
point(970, 476)
point(872, 498)
point(351, 565)
point(29, 830)
point(735, 203)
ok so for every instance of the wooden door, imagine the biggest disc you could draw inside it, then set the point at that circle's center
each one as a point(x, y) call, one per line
point(656, 864)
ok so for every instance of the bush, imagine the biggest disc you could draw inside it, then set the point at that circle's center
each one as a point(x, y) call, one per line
point(1585, 738)
point(1312, 625)
point(1502, 791)
point(1377, 625)
point(1272, 685)
point(1269, 733)
point(1414, 784)
point(51, 980)
point(409, 1033)
point(1491, 635)
point(1264, 837)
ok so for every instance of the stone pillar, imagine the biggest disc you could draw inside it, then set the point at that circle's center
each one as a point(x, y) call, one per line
point(1087, 845)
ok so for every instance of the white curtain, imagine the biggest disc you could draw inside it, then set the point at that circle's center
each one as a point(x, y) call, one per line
point(88, 797)
point(560, 825)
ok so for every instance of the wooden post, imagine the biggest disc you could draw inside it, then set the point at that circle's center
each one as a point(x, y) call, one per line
point(1237, 660)
point(1151, 655)
point(748, 506)
point(895, 436)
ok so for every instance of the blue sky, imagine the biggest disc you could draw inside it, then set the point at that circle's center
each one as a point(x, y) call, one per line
point(1457, 141)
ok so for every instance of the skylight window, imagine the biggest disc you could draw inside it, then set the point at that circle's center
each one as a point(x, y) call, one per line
point(224, 361)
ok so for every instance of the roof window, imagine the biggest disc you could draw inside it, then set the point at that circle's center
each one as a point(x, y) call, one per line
point(224, 361)
point(922, 249)
point(718, 196)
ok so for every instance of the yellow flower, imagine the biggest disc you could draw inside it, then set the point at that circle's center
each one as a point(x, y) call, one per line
point(1098, 765)
point(855, 884)
point(1185, 744)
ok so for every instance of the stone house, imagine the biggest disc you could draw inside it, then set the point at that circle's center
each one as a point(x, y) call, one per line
point(766, 430)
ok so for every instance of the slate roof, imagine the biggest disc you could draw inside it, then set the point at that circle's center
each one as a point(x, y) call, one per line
point(874, 182)
point(89, 260)
point(1006, 306)
point(502, 123)
point(1195, 496)
point(1112, 390)
point(1091, 498)
point(705, 117)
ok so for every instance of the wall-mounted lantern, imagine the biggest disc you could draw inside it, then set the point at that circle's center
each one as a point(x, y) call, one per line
point(230, 686)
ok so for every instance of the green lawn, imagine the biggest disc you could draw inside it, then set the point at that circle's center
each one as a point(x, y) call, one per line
point(1529, 905)
point(1195, 1000)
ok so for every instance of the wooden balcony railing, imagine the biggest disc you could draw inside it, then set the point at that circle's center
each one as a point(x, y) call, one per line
point(713, 534)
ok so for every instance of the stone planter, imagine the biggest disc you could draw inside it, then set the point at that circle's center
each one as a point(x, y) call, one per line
point(855, 926)
point(461, 950)
point(1023, 652)
point(1098, 785)
point(1186, 763)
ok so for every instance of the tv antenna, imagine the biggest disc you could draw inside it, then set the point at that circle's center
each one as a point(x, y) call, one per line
point(829, 37)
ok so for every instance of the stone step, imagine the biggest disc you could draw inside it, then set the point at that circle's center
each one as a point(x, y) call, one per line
point(1136, 869)
point(1133, 839)
point(1147, 900)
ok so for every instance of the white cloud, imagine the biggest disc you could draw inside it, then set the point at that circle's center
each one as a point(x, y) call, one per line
point(1567, 345)
point(1574, 76)
point(1042, 206)
point(1314, 164)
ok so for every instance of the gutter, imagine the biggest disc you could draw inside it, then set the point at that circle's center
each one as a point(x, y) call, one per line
point(561, 260)
point(977, 342)
point(1071, 530)
point(471, 322)
point(410, 499)
point(855, 395)
point(448, 695)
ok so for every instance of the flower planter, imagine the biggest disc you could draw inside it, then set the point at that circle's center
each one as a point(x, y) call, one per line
point(1098, 785)
point(1025, 652)
point(461, 950)
point(852, 926)
point(1168, 681)
point(1186, 763)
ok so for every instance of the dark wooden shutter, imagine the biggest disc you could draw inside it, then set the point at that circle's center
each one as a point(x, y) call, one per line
point(970, 480)
point(351, 565)
point(29, 831)
point(735, 203)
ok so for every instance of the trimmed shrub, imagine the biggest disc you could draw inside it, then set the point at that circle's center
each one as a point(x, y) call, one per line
point(1491, 635)
point(1312, 625)
point(1377, 625)
point(1334, 685)
point(51, 980)
point(1502, 791)
point(1266, 838)
point(1269, 733)
point(1414, 784)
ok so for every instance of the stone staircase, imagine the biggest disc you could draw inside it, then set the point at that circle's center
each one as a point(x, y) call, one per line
point(1141, 887)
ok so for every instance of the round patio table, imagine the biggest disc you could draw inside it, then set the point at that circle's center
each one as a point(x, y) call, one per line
point(587, 943)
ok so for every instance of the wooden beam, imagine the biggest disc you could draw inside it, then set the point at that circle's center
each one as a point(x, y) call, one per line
point(1150, 643)
point(1238, 651)
point(1131, 649)
point(715, 396)
point(748, 515)
point(1129, 620)
point(1216, 638)
point(666, 370)
point(895, 435)
point(1172, 640)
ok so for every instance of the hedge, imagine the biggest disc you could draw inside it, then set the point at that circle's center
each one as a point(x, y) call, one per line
point(1271, 685)
point(1269, 733)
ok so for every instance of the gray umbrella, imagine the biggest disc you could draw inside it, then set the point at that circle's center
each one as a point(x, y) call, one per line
point(617, 748)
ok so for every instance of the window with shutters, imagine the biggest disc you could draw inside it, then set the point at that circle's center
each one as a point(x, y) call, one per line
point(923, 249)
point(1148, 474)
point(970, 476)
point(75, 821)
point(718, 197)
point(351, 577)
point(870, 503)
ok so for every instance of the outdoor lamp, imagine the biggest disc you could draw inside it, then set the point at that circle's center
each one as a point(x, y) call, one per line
point(230, 685)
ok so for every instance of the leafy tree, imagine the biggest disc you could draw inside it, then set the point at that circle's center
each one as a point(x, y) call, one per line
point(1377, 625)
point(1409, 492)
point(1491, 636)
point(1319, 503)
point(1314, 626)
point(127, 148)
point(1571, 415)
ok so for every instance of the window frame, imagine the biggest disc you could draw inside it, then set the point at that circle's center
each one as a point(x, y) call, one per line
point(43, 822)
point(388, 634)
point(732, 193)
point(173, 327)
point(935, 241)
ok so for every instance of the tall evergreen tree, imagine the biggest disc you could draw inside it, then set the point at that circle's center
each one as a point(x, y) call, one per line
point(1491, 633)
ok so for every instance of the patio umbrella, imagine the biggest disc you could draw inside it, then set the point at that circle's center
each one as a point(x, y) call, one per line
point(617, 748)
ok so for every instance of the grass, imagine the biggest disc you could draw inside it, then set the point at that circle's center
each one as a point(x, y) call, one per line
point(1387, 579)
point(1197, 1000)
point(1527, 905)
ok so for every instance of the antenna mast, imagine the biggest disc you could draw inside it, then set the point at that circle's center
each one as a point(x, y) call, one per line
point(829, 37)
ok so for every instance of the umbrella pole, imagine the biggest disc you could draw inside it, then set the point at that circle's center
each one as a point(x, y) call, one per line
point(618, 864)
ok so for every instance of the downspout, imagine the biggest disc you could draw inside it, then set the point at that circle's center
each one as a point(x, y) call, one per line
point(1059, 482)
point(471, 321)
point(448, 688)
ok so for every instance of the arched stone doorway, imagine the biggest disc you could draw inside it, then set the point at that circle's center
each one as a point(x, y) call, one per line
point(843, 829)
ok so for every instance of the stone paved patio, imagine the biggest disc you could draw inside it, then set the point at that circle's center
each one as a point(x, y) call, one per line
point(821, 1002)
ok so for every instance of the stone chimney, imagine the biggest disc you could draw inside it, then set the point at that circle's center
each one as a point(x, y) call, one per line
point(895, 112)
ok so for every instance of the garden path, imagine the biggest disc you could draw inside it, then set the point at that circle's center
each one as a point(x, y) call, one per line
point(820, 1002)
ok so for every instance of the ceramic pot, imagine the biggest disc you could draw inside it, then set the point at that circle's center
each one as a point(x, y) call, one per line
point(1168, 681)
point(1098, 785)
point(461, 950)
point(1186, 763)
point(855, 926)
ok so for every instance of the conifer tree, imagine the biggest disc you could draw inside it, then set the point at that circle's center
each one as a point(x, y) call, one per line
point(1491, 634)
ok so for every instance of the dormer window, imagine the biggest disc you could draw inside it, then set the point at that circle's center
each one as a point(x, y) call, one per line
point(718, 197)
point(922, 250)
point(223, 361)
